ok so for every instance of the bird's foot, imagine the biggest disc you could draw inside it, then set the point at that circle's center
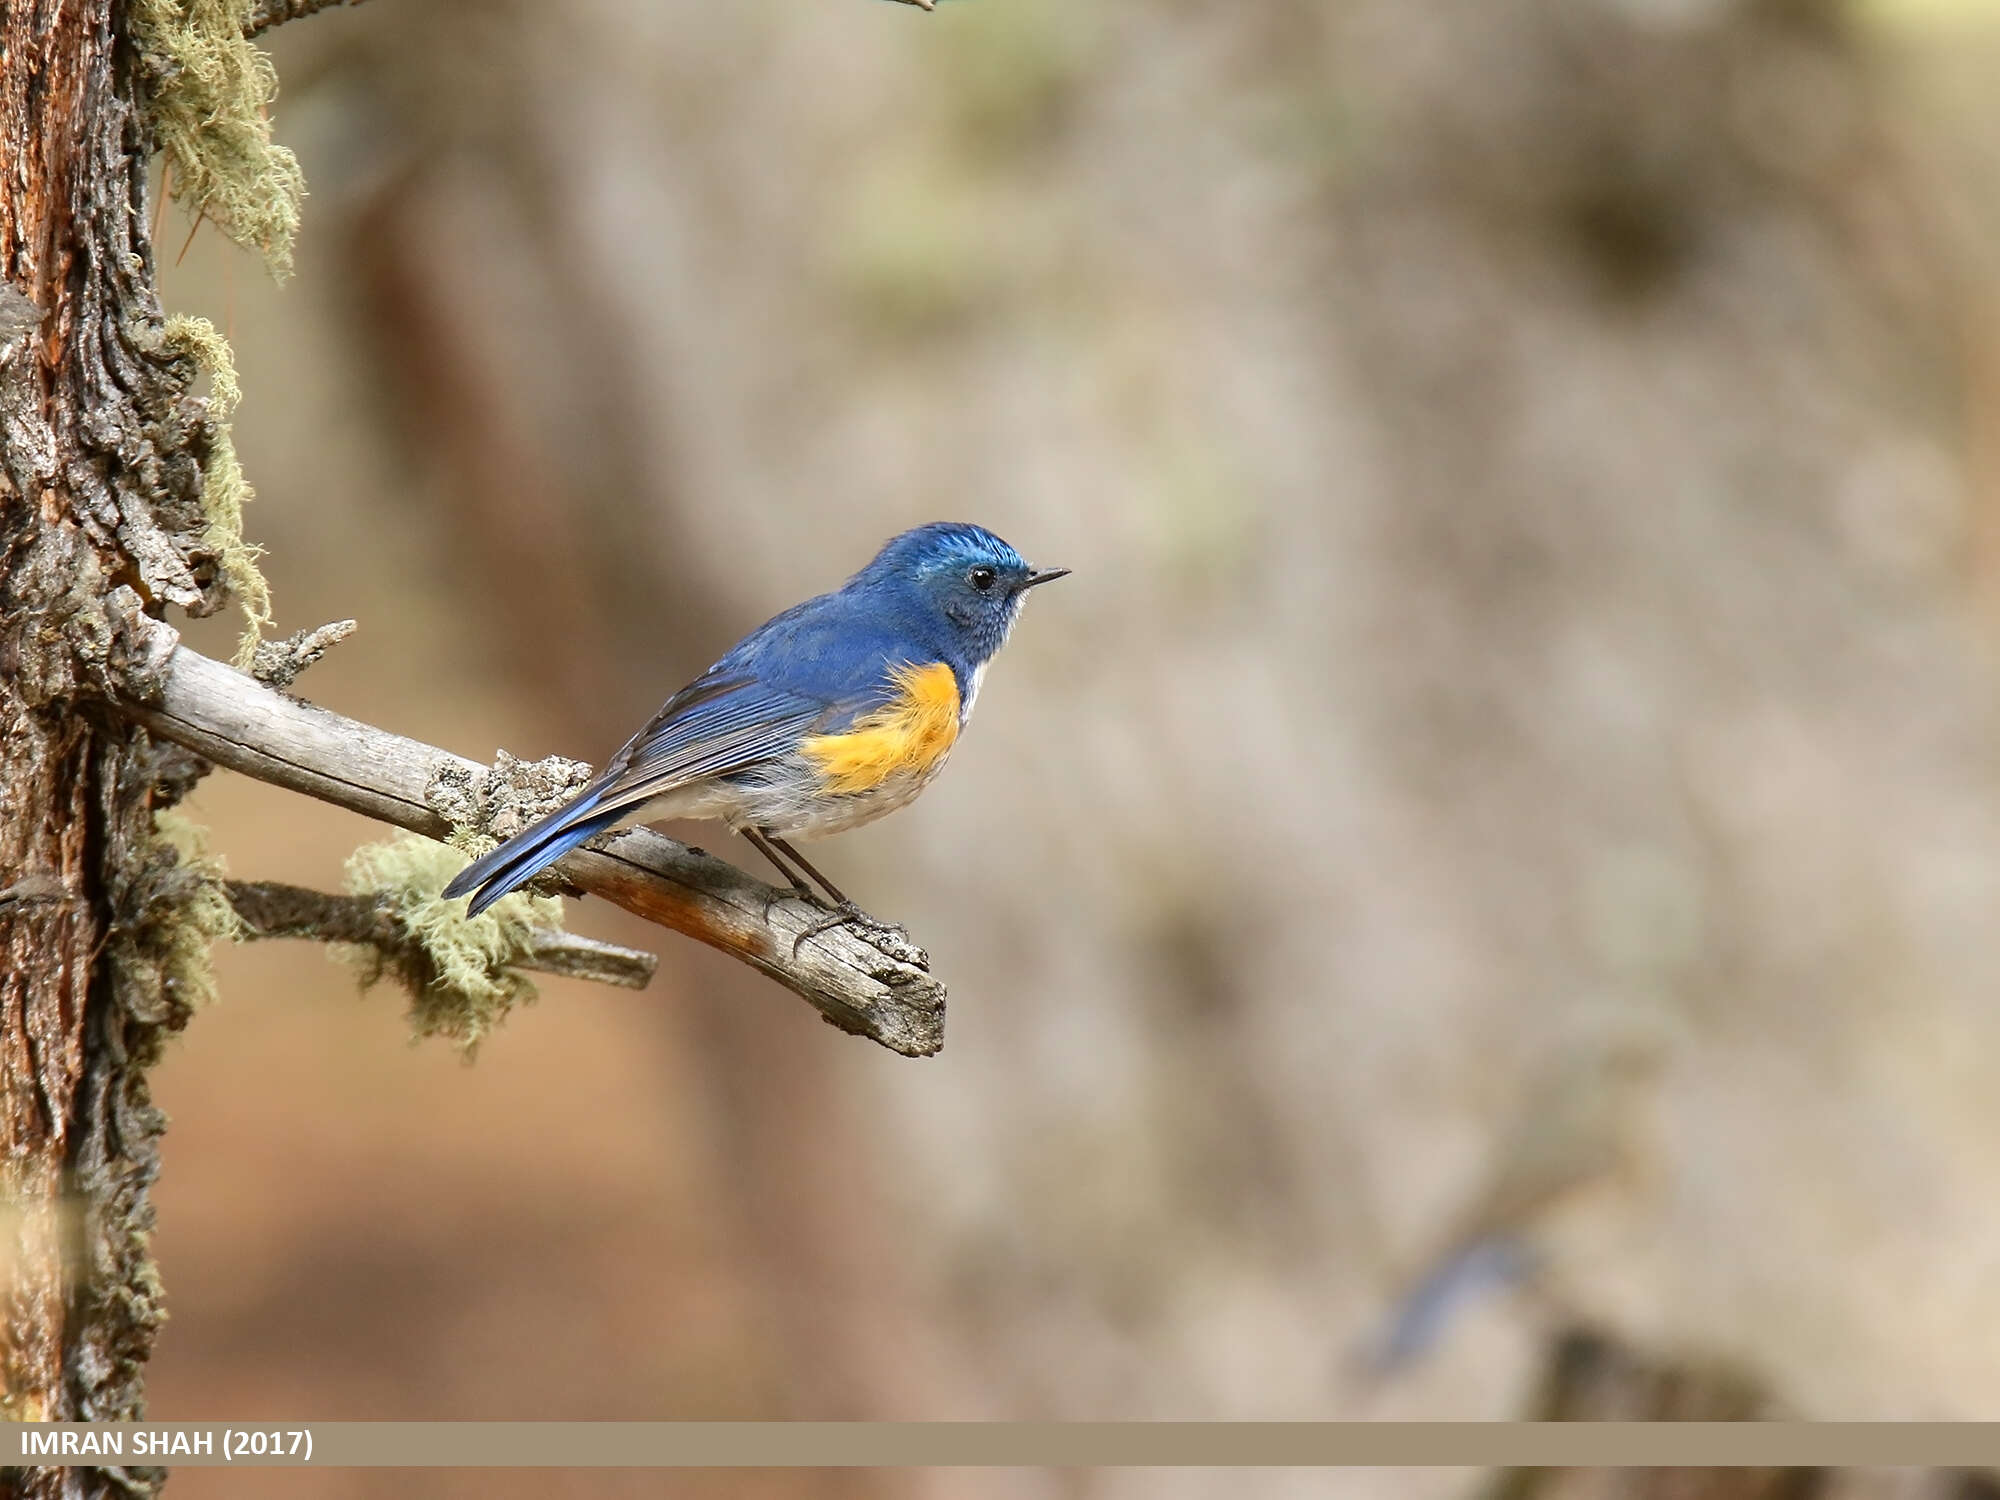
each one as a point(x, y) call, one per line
point(847, 914)
point(836, 916)
point(798, 890)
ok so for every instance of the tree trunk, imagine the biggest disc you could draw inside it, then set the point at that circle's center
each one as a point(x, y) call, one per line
point(101, 454)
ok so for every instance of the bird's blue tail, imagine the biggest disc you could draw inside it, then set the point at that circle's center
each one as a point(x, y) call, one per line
point(1424, 1312)
point(531, 851)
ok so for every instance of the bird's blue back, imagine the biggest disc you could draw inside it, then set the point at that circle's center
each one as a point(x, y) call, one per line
point(841, 643)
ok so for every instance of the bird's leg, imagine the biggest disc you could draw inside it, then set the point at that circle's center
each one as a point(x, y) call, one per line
point(805, 864)
point(768, 844)
point(761, 842)
point(844, 910)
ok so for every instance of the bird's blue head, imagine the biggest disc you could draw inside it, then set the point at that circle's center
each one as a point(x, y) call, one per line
point(964, 578)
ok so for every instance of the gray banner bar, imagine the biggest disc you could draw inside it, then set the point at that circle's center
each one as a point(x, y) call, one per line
point(998, 1444)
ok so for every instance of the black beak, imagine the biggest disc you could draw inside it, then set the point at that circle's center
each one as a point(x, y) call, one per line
point(1045, 575)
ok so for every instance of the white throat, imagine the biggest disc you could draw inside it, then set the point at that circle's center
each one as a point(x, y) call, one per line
point(972, 692)
point(979, 672)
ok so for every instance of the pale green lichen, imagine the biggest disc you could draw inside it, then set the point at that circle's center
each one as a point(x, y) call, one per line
point(209, 106)
point(224, 490)
point(208, 103)
point(456, 968)
point(180, 932)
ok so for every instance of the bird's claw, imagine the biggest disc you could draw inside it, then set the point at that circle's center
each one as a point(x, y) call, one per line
point(797, 891)
point(838, 916)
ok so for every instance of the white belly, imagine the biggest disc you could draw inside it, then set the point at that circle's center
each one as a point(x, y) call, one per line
point(789, 802)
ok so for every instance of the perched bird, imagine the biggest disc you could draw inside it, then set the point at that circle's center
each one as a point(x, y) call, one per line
point(834, 713)
point(1583, 1126)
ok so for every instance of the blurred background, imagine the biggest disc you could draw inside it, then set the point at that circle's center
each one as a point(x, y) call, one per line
point(1520, 751)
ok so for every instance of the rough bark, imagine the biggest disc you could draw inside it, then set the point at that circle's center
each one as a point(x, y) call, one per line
point(101, 454)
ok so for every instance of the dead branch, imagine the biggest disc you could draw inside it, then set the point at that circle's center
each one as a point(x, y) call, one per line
point(268, 13)
point(865, 977)
point(272, 909)
point(278, 663)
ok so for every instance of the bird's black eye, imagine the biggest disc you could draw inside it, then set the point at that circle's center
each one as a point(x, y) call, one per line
point(982, 578)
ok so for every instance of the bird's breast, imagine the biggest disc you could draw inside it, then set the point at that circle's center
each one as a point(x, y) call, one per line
point(898, 747)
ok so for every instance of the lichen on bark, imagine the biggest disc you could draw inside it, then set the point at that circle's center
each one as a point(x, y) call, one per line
point(459, 971)
point(209, 107)
point(224, 489)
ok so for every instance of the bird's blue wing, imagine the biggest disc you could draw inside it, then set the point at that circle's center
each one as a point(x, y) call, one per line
point(720, 724)
point(715, 726)
point(812, 670)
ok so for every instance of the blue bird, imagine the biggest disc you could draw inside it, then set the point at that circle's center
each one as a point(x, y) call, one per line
point(836, 712)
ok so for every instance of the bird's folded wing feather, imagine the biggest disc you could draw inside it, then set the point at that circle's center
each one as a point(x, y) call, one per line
point(719, 725)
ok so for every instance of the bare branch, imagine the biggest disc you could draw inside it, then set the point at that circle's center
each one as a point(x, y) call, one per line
point(271, 909)
point(268, 13)
point(865, 977)
point(278, 663)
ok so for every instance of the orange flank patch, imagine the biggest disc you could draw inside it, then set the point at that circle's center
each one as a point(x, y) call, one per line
point(909, 736)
